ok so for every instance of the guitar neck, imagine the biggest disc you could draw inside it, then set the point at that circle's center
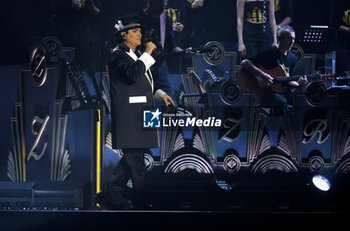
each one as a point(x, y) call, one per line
point(212, 76)
point(283, 79)
point(197, 81)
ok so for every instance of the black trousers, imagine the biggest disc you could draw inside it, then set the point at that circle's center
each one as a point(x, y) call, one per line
point(131, 165)
point(255, 47)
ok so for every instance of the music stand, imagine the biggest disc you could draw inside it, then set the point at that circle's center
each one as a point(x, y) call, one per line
point(313, 39)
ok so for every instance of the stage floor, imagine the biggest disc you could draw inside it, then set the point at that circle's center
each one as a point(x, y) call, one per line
point(164, 220)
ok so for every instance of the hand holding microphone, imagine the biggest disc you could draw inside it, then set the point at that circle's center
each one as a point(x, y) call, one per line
point(148, 37)
point(150, 47)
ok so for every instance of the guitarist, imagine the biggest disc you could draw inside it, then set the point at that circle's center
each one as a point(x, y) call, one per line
point(271, 58)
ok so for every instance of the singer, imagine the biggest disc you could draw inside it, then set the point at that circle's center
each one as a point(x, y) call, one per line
point(131, 89)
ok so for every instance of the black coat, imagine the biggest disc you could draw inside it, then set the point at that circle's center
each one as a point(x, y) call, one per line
point(127, 81)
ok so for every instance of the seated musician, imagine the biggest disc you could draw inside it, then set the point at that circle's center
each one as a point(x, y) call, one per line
point(275, 61)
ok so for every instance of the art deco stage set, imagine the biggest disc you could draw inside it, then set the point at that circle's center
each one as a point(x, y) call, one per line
point(56, 142)
point(255, 168)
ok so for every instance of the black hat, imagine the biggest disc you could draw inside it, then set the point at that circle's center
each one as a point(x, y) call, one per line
point(126, 23)
point(123, 24)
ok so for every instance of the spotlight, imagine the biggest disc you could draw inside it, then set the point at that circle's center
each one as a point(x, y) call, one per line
point(321, 182)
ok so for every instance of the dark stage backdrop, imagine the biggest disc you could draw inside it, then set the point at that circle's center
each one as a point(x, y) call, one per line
point(312, 138)
point(24, 21)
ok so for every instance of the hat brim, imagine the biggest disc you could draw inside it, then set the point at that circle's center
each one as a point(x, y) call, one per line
point(118, 38)
point(130, 26)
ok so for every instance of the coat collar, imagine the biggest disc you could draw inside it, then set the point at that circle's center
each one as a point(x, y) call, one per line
point(127, 50)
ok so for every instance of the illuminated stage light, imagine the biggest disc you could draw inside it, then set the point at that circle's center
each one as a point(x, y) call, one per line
point(321, 182)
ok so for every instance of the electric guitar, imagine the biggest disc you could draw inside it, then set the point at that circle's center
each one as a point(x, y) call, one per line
point(198, 82)
point(212, 77)
point(259, 86)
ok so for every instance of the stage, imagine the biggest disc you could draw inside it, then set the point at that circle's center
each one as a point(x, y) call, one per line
point(171, 220)
point(224, 160)
point(195, 204)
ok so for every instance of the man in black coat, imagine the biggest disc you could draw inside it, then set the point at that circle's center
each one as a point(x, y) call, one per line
point(132, 91)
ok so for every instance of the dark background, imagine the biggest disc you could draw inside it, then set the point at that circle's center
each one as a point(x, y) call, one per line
point(21, 21)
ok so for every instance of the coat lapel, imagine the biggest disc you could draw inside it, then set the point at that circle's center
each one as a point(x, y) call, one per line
point(147, 73)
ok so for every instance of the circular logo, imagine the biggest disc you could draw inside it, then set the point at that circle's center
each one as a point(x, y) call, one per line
point(149, 162)
point(315, 164)
point(232, 163)
point(298, 51)
point(216, 55)
point(38, 65)
point(54, 46)
point(230, 92)
point(316, 94)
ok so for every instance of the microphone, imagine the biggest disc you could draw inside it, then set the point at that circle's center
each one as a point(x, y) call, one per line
point(148, 36)
point(157, 52)
point(154, 50)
